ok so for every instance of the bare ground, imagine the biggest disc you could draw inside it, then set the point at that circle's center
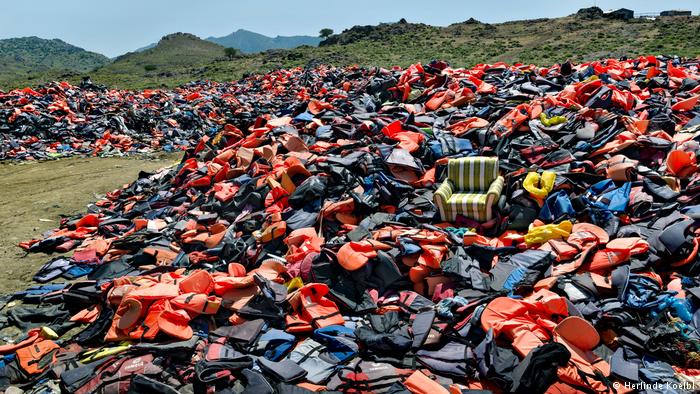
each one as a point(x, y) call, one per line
point(34, 195)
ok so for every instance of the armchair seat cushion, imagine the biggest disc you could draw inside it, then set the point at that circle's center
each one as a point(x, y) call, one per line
point(472, 205)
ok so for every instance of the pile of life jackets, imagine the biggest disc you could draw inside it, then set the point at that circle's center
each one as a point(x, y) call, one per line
point(297, 247)
point(60, 120)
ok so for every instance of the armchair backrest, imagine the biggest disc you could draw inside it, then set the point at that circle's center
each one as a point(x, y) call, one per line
point(472, 174)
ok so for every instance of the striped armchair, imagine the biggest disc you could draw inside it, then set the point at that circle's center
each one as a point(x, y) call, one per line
point(472, 186)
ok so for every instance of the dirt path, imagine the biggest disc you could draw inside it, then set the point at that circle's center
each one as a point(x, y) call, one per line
point(33, 196)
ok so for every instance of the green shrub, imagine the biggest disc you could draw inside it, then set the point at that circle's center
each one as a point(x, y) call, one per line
point(231, 53)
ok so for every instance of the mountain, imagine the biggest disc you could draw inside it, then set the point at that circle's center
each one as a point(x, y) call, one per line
point(32, 57)
point(149, 46)
point(175, 49)
point(176, 56)
point(251, 42)
point(578, 37)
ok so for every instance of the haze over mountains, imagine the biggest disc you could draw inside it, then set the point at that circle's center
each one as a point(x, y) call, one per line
point(37, 57)
point(180, 58)
point(250, 42)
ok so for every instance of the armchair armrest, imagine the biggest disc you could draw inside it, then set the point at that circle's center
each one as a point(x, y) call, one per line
point(444, 192)
point(441, 195)
point(495, 189)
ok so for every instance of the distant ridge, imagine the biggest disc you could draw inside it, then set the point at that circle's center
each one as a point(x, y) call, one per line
point(34, 56)
point(250, 42)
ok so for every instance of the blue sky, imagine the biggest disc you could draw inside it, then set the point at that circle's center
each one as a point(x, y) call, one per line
point(116, 27)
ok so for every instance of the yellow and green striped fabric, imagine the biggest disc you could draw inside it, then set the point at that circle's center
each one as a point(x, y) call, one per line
point(471, 188)
point(471, 205)
point(496, 188)
point(472, 174)
point(441, 196)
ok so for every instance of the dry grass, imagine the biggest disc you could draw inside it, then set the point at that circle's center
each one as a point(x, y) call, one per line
point(33, 197)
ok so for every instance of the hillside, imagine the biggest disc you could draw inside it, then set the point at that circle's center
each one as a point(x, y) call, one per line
point(177, 57)
point(34, 57)
point(541, 41)
point(251, 42)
